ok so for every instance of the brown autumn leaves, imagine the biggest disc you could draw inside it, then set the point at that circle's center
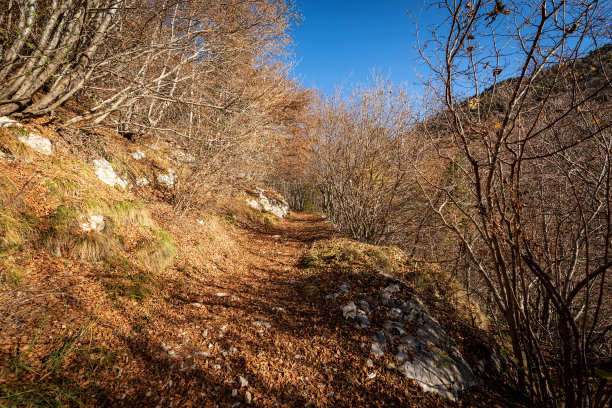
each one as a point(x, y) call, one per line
point(501, 172)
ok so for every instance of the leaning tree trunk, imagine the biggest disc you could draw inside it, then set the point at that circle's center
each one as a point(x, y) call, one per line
point(49, 46)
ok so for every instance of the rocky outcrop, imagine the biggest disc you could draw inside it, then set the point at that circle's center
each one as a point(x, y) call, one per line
point(40, 144)
point(6, 122)
point(105, 172)
point(167, 179)
point(266, 202)
point(422, 349)
point(93, 223)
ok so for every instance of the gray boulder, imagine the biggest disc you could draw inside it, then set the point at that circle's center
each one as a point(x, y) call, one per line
point(438, 365)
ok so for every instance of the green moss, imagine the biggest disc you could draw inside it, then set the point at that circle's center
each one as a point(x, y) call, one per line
point(230, 218)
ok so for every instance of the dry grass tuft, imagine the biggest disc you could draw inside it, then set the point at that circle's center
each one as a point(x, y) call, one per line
point(431, 279)
point(216, 238)
point(347, 252)
point(17, 225)
point(120, 211)
point(12, 147)
point(158, 252)
point(93, 246)
point(64, 237)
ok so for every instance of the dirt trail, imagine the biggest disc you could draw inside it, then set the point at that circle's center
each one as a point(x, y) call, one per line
point(265, 320)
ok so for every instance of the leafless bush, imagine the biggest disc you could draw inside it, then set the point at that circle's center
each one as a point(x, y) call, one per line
point(362, 153)
point(527, 185)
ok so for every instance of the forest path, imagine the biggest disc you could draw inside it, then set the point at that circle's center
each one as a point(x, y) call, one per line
point(261, 332)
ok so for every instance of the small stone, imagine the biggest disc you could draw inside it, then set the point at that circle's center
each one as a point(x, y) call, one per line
point(196, 304)
point(40, 144)
point(6, 122)
point(365, 306)
point(394, 329)
point(395, 313)
point(217, 367)
point(344, 288)
point(349, 311)
point(221, 294)
point(385, 298)
point(248, 397)
point(393, 288)
point(105, 172)
point(94, 223)
point(362, 321)
point(265, 325)
point(243, 382)
point(234, 393)
point(332, 296)
point(167, 179)
point(371, 376)
point(370, 363)
point(138, 155)
point(380, 339)
point(376, 350)
point(401, 357)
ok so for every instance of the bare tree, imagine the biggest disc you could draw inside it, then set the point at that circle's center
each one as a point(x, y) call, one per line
point(362, 145)
point(524, 127)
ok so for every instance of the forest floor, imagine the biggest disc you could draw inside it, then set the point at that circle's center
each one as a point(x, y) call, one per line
point(256, 331)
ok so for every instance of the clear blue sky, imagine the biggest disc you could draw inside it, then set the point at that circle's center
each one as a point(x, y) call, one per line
point(342, 41)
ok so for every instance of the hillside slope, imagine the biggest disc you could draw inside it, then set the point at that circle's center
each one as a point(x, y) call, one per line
point(109, 298)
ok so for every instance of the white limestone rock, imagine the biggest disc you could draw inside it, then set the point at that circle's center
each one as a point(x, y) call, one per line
point(438, 365)
point(167, 179)
point(40, 144)
point(280, 208)
point(106, 173)
point(6, 122)
point(183, 157)
point(138, 155)
point(349, 311)
point(93, 223)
